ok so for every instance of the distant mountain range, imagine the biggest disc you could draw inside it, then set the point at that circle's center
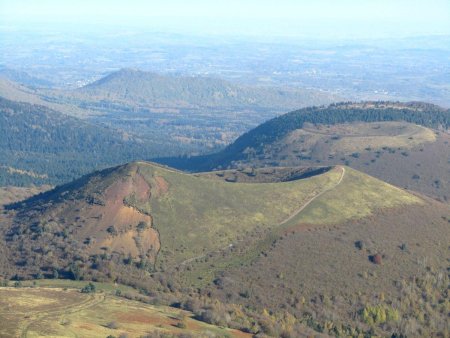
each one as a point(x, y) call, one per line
point(139, 89)
point(154, 90)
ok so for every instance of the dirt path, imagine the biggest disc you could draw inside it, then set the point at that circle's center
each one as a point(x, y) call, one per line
point(93, 300)
point(299, 210)
point(294, 214)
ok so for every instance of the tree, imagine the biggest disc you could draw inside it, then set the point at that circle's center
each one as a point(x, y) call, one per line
point(75, 271)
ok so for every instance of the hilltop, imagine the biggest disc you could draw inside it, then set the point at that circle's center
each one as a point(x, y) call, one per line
point(156, 90)
point(405, 144)
point(183, 236)
point(130, 210)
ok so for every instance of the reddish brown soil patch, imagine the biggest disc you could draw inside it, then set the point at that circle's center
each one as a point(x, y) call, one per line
point(113, 224)
point(161, 186)
point(86, 327)
point(139, 317)
point(376, 259)
point(142, 189)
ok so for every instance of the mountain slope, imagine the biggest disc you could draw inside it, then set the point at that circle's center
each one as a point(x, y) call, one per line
point(22, 77)
point(56, 312)
point(175, 115)
point(298, 246)
point(14, 91)
point(166, 217)
point(405, 144)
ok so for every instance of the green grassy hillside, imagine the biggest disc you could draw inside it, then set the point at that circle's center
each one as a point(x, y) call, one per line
point(357, 196)
point(195, 215)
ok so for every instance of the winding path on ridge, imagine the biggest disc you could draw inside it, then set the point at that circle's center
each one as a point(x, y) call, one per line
point(312, 199)
point(294, 214)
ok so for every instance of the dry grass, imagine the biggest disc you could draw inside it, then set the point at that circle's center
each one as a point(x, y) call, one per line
point(358, 196)
point(356, 137)
point(67, 313)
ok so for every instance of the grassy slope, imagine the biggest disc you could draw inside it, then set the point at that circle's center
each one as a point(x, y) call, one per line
point(356, 197)
point(48, 310)
point(198, 215)
point(356, 137)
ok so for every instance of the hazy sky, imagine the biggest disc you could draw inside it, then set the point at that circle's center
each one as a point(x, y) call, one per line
point(321, 18)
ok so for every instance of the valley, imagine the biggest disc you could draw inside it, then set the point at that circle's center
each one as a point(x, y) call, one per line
point(139, 115)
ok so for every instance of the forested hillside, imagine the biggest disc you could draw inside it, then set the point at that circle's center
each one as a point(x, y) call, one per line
point(154, 90)
point(422, 114)
point(255, 140)
point(39, 145)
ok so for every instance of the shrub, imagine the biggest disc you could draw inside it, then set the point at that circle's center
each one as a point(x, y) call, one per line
point(111, 230)
point(376, 259)
point(65, 322)
point(379, 314)
point(89, 288)
point(181, 325)
point(112, 325)
point(359, 245)
point(142, 226)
